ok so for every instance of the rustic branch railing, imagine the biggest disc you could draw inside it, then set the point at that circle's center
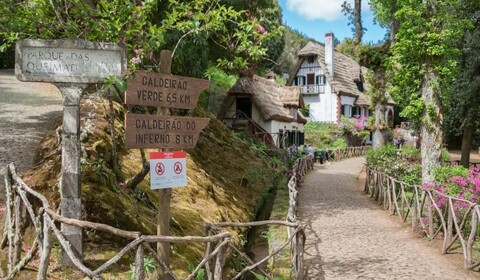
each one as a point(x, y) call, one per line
point(19, 207)
point(429, 211)
point(43, 220)
point(340, 154)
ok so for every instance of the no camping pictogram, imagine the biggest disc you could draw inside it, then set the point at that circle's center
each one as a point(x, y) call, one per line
point(177, 167)
point(159, 168)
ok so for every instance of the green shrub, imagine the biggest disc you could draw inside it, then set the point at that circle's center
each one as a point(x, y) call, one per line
point(442, 174)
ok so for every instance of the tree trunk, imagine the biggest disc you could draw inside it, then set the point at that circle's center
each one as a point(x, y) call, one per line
point(466, 146)
point(394, 24)
point(357, 15)
point(431, 126)
point(380, 125)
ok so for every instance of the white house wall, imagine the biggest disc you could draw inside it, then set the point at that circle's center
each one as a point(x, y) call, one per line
point(323, 106)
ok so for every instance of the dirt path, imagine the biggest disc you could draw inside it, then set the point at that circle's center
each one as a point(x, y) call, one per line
point(351, 237)
point(27, 112)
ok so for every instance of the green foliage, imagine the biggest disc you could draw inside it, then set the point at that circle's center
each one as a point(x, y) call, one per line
point(220, 83)
point(149, 266)
point(306, 111)
point(444, 156)
point(425, 41)
point(200, 274)
point(442, 174)
point(236, 37)
point(400, 164)
point(376, 157)
point(258, 147)
point(294, 41)
point(460, 114)
point(261, 277)
point(324, 135)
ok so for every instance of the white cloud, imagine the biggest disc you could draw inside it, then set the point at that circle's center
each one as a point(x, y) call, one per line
point(320, 9)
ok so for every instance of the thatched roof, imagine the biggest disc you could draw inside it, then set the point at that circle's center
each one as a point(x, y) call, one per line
point(290, 96)
point(346, 72)
point(269, 98)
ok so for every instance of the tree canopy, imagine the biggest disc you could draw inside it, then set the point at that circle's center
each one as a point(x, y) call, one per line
point(234, 35)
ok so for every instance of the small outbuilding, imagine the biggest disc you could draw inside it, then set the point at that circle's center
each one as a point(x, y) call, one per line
point(265, 110)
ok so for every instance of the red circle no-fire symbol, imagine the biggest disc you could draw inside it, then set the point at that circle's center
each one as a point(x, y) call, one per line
point(159, 168)
point(177, 167)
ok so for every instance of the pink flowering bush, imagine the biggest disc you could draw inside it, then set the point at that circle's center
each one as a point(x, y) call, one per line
point(458, 182)
point(353, 130)
point(359, 122)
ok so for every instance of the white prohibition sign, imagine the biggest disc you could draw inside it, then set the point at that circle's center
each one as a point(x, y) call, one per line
point(177, 167)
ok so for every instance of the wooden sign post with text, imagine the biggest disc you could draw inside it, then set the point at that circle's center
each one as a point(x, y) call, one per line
point(161, 131)
point(71, 64)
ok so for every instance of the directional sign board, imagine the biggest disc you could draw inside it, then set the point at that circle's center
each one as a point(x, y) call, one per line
point(164, 90)
point(168, 170)
point(158, 132)
point(68, 61)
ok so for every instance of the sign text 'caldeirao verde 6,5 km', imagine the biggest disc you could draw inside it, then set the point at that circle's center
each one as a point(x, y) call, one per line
point(164, 90)
point(144, 131)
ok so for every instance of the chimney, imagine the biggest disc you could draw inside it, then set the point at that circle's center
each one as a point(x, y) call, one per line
point(329, 52)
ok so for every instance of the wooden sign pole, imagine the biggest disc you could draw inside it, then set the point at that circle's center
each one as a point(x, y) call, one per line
point(164, 195)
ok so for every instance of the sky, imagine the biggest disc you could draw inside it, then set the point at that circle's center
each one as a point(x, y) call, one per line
point(314, 18)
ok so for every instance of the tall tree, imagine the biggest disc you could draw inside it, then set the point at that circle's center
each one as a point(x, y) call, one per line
point(423, 64)
point(375, 58)
point(355, 17)
point(385, 15)
point(464, 104)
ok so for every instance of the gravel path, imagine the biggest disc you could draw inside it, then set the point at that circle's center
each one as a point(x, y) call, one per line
point(27, 112)
point(349, 236)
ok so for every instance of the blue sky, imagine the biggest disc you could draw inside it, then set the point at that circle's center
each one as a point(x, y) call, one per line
point(317, 17)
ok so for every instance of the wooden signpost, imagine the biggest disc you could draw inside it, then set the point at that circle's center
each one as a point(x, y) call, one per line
point(163, 90)
point(70, 64)
point(169, 132)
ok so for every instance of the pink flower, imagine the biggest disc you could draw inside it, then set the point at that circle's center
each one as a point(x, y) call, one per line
point(261, 29)
point(136, 60)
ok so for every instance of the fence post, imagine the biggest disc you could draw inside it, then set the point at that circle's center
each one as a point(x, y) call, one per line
point(139, 271)
point(220, 261)
point(471, 239)
point(17, 240)
point(449, 233)
point(208, 250)
point(46, 249)
point(9, 222)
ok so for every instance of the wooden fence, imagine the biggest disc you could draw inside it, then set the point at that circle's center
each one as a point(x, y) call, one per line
point(20, 209)
point(340, 154)
point(430, 212)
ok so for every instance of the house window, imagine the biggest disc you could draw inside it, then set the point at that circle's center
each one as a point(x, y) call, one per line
point(310, 59)
point(346, 110)
point(320, 79)
point(359, 85)
point(293, 113)
point(355, 111)
point(299, 81)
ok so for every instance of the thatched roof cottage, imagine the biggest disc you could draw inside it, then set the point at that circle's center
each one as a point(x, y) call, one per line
point(261, 107)
point(332, 83)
